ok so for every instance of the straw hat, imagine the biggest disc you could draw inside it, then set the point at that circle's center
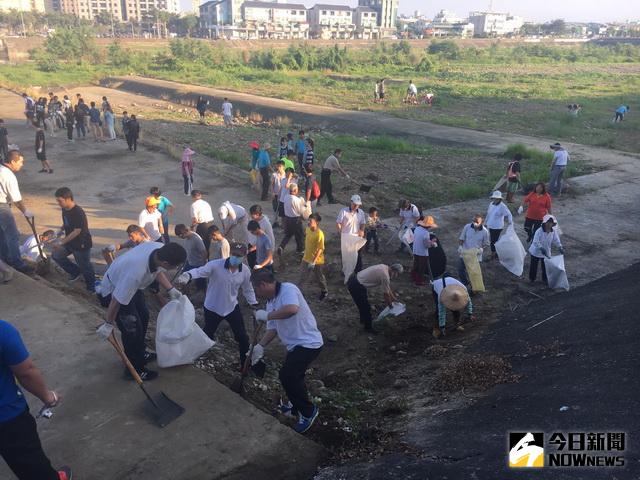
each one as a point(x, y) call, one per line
point(454, 297)
point(428, 222)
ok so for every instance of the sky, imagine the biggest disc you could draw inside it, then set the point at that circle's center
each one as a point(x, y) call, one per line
point(534, 11)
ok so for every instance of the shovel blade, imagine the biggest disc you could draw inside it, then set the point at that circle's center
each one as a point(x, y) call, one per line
point(163, 410)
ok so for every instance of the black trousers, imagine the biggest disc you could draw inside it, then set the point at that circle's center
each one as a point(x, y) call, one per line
point(293, 228)
point(533, 269)
point(361, 298)
point(212, 321)
point(292, 377)
point(530, 226)
point(326, 188)
point(372, 237)
point(21, 448)
point(133, 320)
point(264, 173)
point(301, 163)
point(201, 230)
point(252, 259)
point(494, 235)
point(188, 181)
point(70, 130)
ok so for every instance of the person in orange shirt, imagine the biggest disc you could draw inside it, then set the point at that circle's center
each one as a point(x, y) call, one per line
point(538, 204)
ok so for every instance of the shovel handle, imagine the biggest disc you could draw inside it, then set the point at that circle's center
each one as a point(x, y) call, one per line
point(247, 361)
point(113, 341)
point(32, 224)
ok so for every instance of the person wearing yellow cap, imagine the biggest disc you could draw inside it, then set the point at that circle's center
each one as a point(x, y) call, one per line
point(450, 294)
point(150, 219)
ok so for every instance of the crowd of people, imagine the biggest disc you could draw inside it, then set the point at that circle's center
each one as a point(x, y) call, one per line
point(236, 248)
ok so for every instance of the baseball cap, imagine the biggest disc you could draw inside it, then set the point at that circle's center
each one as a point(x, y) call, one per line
point(151, 201)
point(356, 199)
point(238, 249)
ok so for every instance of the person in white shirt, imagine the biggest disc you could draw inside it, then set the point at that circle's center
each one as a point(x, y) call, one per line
point(219, 247)
point(409, 215)
point(227, 112)
point(289, 317)
point(201, 217)
point(289, 179)
point(276, 186)
point(121, 290)
point(421, 244)
point(225, 278)
point(151, 219)
point(29, 249)
point(234, 222)
point(474, 236)
point(255, 212)
point(544, 238)
point(558, 166)
point(372, 277)
point(497, 215)
point(10, 195)
point(330, 164)
point(449, 294)
point(352, 220)
point(295, 209)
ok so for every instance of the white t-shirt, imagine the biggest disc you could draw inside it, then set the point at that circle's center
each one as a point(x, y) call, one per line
point(29, 249)
point(130, 272)
point(220, 249)
point(412, 88)
point(472, 238)
point(421, 241)
point(439, 285)
point(276, 183)
point(285, 183)
point(496, 215)
point(351, 221)
point(201, 211)
point(294, 206)
point(227, 108)
point(9, 190)
point(560, 158)
point(299, 330)
point(331, 163)
point(149, 221)
point(410, 216)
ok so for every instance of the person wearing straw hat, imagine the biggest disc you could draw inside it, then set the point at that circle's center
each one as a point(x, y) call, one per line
point(450, 294)
point(151, 219)
point(371, 277)
point(558, 166)
point(421, 245)
point(544, 238)
point(497, 215)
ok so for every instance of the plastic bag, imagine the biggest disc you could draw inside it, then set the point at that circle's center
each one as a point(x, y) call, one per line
point(474, 272)
point(179, 339)
point(395, 309)
point(511, 252)
point(406, 235)
point(556, 274)
point(349, 246)
point(255, 179)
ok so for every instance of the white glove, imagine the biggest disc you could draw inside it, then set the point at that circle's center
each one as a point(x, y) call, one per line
point(460, 250)
point(183, 279)
point(257, 354)
point(105, 330)
point(28, 214)
point(111, 248)
point(347, 176)
point(257, 267)
point(174, 293)
point(520, 210)
point(311, 266)
point(39, 150)
point(261, 315)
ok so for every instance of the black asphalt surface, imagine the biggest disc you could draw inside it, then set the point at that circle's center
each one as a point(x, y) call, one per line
point(595, 372)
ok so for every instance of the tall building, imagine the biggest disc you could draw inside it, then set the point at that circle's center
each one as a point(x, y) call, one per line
point(490, 24)
point(122, 10)
point(22, 5)
point(387, 12)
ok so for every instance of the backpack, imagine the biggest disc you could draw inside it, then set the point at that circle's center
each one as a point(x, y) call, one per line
point(315, 190)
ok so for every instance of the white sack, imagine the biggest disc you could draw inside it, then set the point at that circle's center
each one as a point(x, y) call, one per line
point(511, 252)
point(556, 274)
point(349, 246)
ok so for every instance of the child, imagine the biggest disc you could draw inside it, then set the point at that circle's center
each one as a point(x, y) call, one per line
point(187, 169)
point(276, 185)
point(371, 230)
point(219, 247)
point(284, 147)
point(41, 153)
point(313, 258)
point(288, 161)
point(309, 155)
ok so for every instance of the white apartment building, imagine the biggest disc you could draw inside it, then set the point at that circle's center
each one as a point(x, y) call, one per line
point(22, 5)
point(275, 20)
point(331, 21)
point(491, 24)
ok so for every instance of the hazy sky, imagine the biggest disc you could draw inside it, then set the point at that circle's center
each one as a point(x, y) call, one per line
point(537, 11)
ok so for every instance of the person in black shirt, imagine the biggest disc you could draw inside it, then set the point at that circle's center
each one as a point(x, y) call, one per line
point(80, 113)
point(41, 151)
point(76, 241)
point(4, 141)
point(134, 133)
point(70, 118)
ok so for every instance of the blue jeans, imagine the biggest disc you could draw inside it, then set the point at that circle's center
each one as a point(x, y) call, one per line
point(82, 266)
point(9, 238)
point(165, 235)
point(555, 180)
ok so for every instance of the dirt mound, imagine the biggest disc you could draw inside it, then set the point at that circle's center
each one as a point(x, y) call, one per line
point(477, 372)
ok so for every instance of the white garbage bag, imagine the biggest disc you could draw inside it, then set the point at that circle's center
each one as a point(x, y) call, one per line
point(179, 339)
point(349, 246)
point(406, 235)
point(556, 274)
point(511, 252)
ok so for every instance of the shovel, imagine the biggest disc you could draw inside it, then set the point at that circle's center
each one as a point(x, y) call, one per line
point(237, 385)
point(43, 266)
point(364, 188)
point(163, 410)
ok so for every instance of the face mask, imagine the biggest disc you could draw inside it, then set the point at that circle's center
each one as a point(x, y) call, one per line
point(476, 225)
point(235, 261)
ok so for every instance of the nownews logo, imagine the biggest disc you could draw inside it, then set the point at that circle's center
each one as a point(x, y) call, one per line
point(566, 449)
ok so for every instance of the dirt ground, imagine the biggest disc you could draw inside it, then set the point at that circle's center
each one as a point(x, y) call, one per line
point(370, 388)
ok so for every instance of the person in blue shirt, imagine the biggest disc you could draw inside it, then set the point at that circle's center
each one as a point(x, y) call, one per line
point(301, 150)
point(19, 441)
point(165, 207)
point(264, 166)
point(620, 113)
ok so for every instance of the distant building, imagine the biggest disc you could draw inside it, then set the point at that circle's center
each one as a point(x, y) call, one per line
point(22, 5)
point(366, 21)
point(387, 12)
point(448, 24)
point(491, 24)
point(331, 22)
point(221, 12)
point(122, 10)
point(275, 20)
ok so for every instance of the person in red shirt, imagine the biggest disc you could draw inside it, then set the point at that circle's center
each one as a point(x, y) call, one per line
point(538, 204)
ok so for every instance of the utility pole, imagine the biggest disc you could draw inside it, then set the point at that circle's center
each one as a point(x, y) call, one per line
point(24, 33)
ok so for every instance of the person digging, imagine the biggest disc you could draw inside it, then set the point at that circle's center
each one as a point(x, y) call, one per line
point(450, 294)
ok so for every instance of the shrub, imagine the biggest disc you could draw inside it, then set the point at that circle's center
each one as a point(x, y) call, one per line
point(445, 49)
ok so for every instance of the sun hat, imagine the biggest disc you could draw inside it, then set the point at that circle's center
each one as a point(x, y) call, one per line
point(428, 222)
point(151, 201)
point(496, 194)
point(548, 217)
point(356, 199)
point(454, 297)
point(555, 145)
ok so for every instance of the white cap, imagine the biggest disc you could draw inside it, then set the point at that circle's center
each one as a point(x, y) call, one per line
point(223, 212)
point(548, 217)
point(496, 194)
point(356, 199)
